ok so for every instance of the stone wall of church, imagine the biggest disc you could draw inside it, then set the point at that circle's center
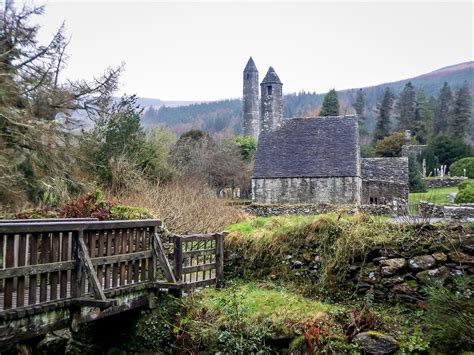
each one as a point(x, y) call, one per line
point(333, 190)
point(383, 192)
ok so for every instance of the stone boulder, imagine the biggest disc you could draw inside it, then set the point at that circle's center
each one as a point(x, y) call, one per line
point(376, 343)
point(467, 243)
point(440, 256)
point(422, 262)
point(461, 258)
point(391, 266)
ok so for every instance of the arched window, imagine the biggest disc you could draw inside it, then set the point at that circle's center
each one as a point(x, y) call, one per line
point(269, 90)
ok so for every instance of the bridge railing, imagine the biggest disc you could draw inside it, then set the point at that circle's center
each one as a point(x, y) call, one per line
point(199, 259)
point(55, 261)
point(58, 260)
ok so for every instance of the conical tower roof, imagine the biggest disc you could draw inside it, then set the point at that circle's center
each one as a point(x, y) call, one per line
point(271, 77)
point(250, 67)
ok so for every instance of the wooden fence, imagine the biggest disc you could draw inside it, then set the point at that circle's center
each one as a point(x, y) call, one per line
point(81, 261)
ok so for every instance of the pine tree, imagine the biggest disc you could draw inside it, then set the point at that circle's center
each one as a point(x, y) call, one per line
point(423, 117)
point(330, 104)
point(458, 123)
point(406, 107)
point(415, 178)
point(384, 108)
point(443, 108)
point(359, 107)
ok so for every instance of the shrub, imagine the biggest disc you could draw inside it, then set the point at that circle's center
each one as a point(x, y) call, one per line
point(129, 212)
point(390, 146)
point(185, 207)
point(92, 205)
point(450, 315)
point(465, 184)
point(457, 168)
point(466, 195)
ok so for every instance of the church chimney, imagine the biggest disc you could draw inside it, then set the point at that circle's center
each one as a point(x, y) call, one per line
point(271, 110)
point(251, 107)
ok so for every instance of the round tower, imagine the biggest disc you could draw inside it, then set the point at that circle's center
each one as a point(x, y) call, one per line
point(271, 110)
point(251, 107)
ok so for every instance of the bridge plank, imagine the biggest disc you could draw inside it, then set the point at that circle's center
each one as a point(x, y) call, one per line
point(33, 261)
point(44, 260)
point(108, 267)
point(54, 276)
point(115, 252)
point(123, 250)
point(36, 269)
point(64, 257)
point(196, 268)
point(9, 262)
point(20, 301)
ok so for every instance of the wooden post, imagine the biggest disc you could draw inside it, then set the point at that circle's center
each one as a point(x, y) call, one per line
point(178, 264)
point(219, 258)
point(76, 274)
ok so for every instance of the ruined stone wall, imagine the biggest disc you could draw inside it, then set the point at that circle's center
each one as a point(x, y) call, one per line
point(387, 272)
point(413, 149)
point(314, 209)
point(333, 190)
point(445, 182)
point(383, 192)
point(456, 212)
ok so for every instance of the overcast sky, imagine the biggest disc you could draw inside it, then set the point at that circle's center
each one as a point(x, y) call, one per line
point(197, 50)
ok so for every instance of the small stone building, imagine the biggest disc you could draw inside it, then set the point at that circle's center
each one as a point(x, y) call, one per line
point(308, 160)
point(312, 160)
point(384, 180)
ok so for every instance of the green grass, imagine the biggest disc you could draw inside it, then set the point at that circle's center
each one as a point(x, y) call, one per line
point(437, 196)
point(261, 224)
point(266, 301)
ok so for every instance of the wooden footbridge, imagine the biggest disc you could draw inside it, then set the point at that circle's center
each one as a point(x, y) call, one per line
point(60, 273)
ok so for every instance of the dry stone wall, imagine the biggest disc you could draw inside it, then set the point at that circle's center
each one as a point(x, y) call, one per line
point(446, 182)
point(387, 273)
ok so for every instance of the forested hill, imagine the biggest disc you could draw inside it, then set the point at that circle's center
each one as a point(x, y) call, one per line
point(225, 116)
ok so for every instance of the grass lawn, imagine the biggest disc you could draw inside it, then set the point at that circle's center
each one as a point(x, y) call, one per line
point(436, 196)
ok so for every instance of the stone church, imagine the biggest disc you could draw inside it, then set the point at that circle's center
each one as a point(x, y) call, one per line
point(312, 159)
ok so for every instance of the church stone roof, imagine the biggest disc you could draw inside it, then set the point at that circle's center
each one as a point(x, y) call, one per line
point(250, 67)
point(271, 77)
point(385, 169)
point(309, 147)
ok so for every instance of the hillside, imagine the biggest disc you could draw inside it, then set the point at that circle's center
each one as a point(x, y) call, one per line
point(225, 116)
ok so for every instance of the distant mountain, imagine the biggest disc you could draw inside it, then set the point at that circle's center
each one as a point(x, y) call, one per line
point(225, 116)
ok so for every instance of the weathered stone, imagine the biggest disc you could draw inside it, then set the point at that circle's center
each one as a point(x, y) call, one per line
point(390, 281)
point(430, 276)
point(376, 343)
point(461, 258)
point(391, 266)
point(467, 243)
point(369, 275)
point(440, 256)
point(423, 262)
point(406, 292)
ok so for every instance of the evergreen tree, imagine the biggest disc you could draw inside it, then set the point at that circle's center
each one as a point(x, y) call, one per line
point(330, 104)
point(415, 178)
point(443, 108)
point(423, 117)
point(458, 123)
point(359, 107)
point(406, 108)
point(384, 108)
